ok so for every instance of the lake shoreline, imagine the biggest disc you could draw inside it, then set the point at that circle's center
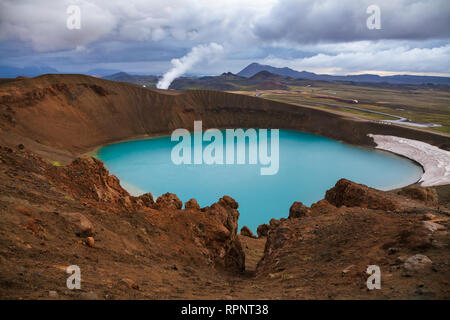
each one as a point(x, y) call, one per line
point(392, 181)
point(434, 161)
point(133, 190)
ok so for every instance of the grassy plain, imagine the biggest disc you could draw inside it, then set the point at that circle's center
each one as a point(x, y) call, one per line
point(421, 104)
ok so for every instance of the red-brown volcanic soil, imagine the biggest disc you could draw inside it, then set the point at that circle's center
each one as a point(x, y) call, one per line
point(136, 248)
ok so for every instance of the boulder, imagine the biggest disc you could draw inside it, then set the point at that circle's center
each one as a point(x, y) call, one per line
point(298, 210)
point(322, 207)
point(221, 237)
point(192, 204)
point(417, 263)
point(245, 231)
point(425, 194)
point(263, 230)
point(226, 210)
point(416, 237)
point(432, 226)
point(146, 199)
point(274, 223)
point(84, 228)
point(90, 242)
point(169, 201)
point(228, 202)
point(129, 283)
point(350, 194)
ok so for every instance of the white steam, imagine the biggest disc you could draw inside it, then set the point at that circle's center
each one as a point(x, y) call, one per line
point(180, 66)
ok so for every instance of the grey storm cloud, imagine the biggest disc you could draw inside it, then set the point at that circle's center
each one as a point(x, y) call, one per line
point(145, 35)
point(305, 21)
point(43, 23)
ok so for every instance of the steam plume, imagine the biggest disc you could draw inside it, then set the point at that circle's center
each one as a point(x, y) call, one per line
point(180, 66)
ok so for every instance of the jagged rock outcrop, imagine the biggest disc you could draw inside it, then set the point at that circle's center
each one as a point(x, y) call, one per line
point(350, 194)
point(245, 231)
point(168, 201)
point(192, 204)
point(427, 195)
point(274, 223)
point(298, 210)
point(223, 241)
point(263, 230)
point(87, 179)
point(352, 228)
point(146, 199)
point(322, 207)
point(84, 200)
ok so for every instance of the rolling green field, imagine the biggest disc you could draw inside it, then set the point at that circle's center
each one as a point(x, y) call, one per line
point(420, 104)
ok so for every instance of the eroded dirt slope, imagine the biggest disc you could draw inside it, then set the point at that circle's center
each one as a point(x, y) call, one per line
point(132, 247)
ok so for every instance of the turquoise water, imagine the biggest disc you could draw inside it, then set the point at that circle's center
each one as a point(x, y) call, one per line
point(308, 166)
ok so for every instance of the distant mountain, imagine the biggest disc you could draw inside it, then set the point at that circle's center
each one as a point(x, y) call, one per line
point(266, 75)
point(102, 72)
point(262, 80)
point(230, 76)
point(145, 81)
point(120, 76)
point(254, 68)
point(32, 71)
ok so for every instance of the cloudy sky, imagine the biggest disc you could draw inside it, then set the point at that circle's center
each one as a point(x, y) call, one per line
point(143, 36)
